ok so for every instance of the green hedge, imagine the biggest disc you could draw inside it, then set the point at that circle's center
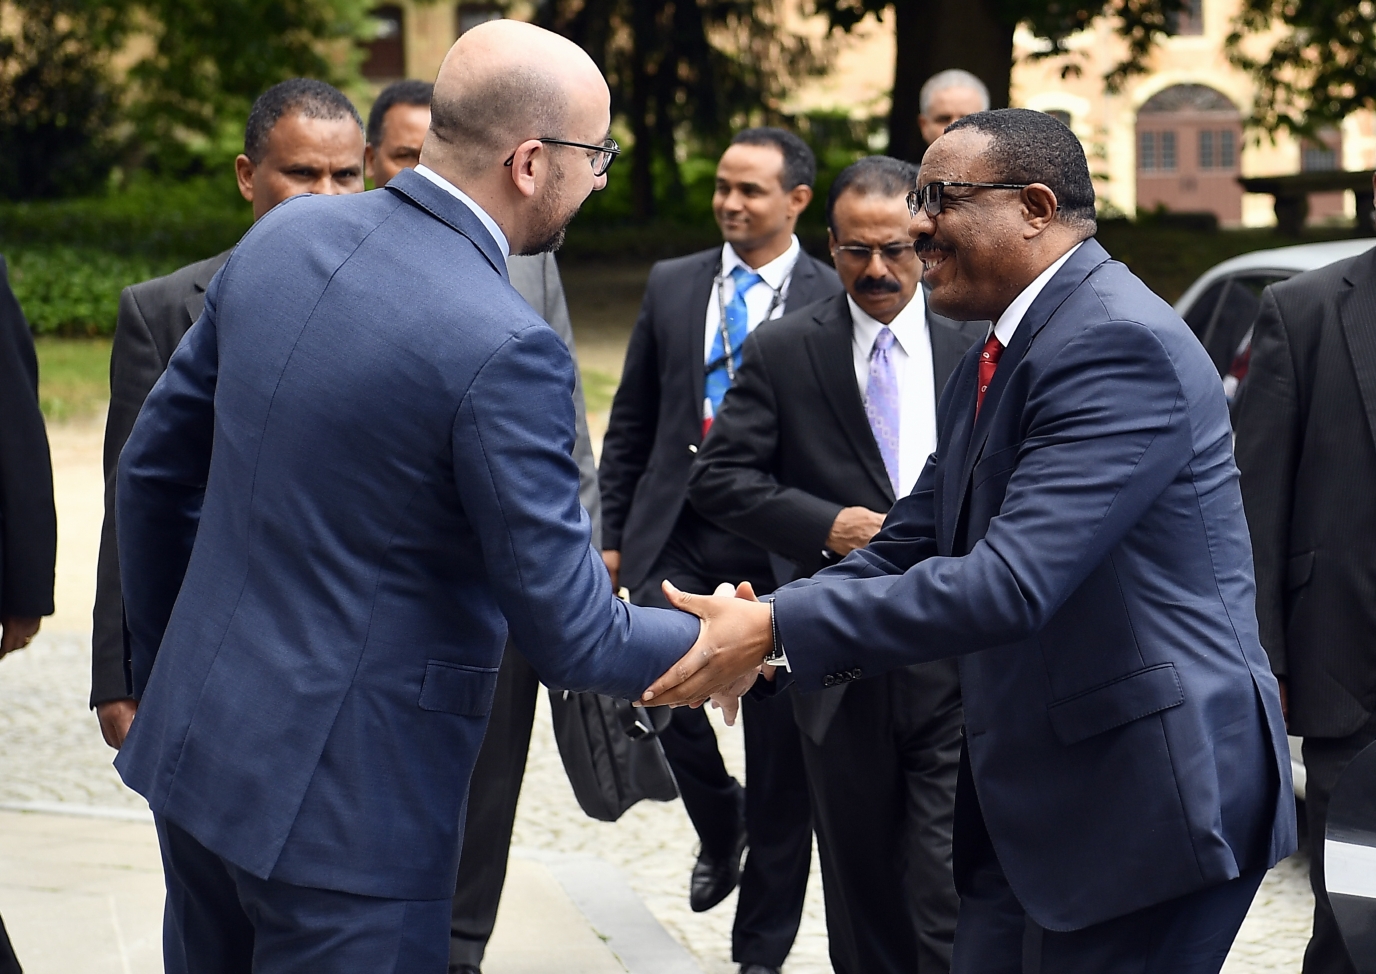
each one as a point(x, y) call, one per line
point(75, 290)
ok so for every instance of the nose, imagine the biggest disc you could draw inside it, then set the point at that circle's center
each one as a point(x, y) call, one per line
point(872, 271)
point(921, 224)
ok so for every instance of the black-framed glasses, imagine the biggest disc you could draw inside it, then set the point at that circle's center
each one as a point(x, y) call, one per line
point(894, 254)
point(602, 155)
point(929, 197)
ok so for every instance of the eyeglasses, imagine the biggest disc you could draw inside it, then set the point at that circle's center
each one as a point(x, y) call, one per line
point(929, 197)
point(860, 255)
point(602, 155)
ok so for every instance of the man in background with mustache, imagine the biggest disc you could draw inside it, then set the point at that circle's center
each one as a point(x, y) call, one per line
point(830, 419)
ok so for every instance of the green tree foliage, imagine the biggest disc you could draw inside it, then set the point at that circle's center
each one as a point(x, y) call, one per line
point(211, 58)
point(1321, 70)
point(685, 73)
point(977, 35)
point(58, 107)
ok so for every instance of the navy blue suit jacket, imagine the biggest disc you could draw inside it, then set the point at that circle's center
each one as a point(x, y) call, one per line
point(1082, 547)
point(355, 474)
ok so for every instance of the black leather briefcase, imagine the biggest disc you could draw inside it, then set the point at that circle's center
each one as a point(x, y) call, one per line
point(611, 752)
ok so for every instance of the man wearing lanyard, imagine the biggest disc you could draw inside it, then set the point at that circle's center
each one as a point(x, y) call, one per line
point(681, 360)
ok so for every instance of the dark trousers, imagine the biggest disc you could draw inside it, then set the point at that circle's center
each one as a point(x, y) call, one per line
point(221, 920)
point(1190, 934)
point(1324, 761)
point(777, 813)
point(883, 784)
point(9, 964)
point(493, 793)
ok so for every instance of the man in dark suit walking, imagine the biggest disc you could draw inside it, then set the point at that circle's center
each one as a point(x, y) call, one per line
point(303, 136)
point(682, 357)
point(352, 482)
point(28, 516)
point(1306, 446)
point(831, 418)
point(397, 124)
point(1078, 541)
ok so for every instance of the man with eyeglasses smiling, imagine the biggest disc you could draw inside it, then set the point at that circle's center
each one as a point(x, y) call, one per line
point(1077, 540)
point(831, 417)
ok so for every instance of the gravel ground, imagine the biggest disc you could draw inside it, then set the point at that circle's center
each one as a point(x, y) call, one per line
point(51, 750)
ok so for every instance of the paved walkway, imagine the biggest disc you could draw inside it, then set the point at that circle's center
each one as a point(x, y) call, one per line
point(83, 894)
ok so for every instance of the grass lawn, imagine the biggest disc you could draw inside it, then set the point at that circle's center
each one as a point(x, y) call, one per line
point(73, 377)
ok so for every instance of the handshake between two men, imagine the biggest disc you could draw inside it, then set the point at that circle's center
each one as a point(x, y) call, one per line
point(737, 636)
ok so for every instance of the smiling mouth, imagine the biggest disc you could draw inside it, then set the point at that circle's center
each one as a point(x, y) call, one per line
point(932, 259)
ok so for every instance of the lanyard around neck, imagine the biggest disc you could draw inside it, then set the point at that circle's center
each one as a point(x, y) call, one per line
point(727, 354)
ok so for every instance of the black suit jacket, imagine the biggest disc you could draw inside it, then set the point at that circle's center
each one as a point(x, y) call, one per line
point(153, 317)
point(1306, 446)
point(28, 518)
point(656, 420)
point(792, 446)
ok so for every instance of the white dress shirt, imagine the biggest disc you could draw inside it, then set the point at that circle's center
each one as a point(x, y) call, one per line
point(911, 357)
point(758, 299)
point(1012, 316)
point(502, 244)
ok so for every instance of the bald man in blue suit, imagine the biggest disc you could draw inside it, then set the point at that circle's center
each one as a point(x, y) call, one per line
point(1077, 540)
point(354, 478)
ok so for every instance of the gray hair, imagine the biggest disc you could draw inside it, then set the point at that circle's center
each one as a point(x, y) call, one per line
point(953, 78)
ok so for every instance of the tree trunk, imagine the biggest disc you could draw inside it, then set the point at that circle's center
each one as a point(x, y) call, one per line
point(642, 153)
point(933, 35)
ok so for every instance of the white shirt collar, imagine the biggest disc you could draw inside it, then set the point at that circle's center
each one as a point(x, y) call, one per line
point(1008, 322)
point(502, 243)
point(775, 273)
point(908, 326)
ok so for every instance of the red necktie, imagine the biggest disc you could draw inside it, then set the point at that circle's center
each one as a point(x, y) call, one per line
point(988, 362)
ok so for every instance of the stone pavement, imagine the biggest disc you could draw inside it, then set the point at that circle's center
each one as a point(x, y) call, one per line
point(83, 894)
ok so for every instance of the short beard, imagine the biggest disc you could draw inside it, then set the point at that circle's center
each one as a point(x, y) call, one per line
point(549, 235)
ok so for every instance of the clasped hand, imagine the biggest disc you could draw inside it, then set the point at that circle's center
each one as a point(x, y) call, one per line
point(736, 636)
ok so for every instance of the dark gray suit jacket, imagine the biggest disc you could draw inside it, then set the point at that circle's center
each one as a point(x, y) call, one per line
point(28, 519)
point(656, 421)
point(153, 317)
point(792, 446)
point(1306, 446)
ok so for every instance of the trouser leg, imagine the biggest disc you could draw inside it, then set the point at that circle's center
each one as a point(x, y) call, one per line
point(712, 798)
point(493, 793)
point(9, 964)
point(927, 718)
point(778, 823)
point(205, 927)
point(1324, 762)
point(992, 927)
point(858, 799)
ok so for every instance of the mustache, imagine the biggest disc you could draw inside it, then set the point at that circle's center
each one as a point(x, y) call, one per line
point(926, 245)
point(877, 285)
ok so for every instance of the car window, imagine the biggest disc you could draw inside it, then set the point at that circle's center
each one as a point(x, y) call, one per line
point(1226, 333)
point(1201, 312)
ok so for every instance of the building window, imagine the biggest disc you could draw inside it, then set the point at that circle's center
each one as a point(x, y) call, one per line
point(1146, 151)
point(1188, 20)
point(1321, 154)
point(1167, 151)
point(386, 59)
point(1217, 149)
point(470, 15)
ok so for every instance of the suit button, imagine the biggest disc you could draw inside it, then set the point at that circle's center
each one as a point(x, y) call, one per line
point(855, 673)
point(828, 680)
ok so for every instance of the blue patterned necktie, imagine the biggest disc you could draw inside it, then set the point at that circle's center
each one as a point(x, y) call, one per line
point(881, 404)
point(737, 327)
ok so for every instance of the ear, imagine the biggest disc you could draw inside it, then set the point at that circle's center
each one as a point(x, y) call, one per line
point(529, 164)
point(831, 241)
point(1039, 208)
point(798, 199)
point(368, 162)
point(243, 172)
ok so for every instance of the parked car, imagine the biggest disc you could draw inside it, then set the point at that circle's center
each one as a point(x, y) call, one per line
point(1221, 308)
point(1222, 305)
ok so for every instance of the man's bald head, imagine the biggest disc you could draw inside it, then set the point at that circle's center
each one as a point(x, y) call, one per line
point(504, 82)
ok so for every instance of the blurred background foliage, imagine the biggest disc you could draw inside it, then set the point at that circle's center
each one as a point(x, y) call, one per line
point(119, 119)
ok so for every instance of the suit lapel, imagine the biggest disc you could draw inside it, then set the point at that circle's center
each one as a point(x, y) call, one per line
point(1063, 284)
point(1358, 317)
point(195, 302)
point(830, 348)
point(802, 288)
point(451, 211)
point(694, 330)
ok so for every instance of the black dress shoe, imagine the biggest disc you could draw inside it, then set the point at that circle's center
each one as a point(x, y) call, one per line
point(758, 969)
point(714, 877)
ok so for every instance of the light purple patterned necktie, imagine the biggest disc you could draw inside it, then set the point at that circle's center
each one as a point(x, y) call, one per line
point(881, 404)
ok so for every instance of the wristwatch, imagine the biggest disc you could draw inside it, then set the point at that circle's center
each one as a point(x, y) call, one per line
point(776, 656)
